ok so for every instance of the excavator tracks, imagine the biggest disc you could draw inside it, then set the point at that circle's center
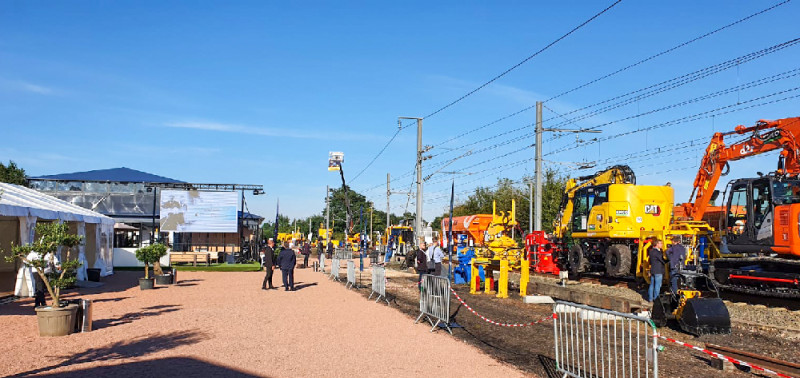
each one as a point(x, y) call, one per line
point(763, 276)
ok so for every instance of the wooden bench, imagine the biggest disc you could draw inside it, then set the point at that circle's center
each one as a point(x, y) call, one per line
point(214, 256)
point(189, 257)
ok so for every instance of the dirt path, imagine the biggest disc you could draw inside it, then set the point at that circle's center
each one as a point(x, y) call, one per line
point(223, 324)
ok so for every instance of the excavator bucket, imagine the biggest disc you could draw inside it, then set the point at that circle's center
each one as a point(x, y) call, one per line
point(703, 316)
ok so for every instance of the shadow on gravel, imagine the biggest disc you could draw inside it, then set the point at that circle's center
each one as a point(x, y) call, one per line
point(549, 366)
point(139, 347)
point(109, 299)
point(132, 316)
point(303, 286)
point(175, 367)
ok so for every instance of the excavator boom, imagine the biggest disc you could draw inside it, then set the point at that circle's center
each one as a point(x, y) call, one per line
point(764, 136)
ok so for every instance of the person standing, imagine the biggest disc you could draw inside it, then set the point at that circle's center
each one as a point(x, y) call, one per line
point(320, 251)
point(656, 256)
point(330, 249)
point(306, 252)
point(676, 254)
point(267, 263)
point(286, 261)
point(422, 264)
point(436, 255)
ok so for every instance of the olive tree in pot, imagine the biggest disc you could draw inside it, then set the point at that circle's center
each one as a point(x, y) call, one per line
point(58, 319)
point(161, 278)
point(147, 255)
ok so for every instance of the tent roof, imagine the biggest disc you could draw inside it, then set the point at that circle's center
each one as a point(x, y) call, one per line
point(122, 174)
point(250, 216)
point(19, 201)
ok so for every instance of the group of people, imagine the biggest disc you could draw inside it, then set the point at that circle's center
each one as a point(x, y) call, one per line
point(429, 259)
point(674, 256)
point(285, 260)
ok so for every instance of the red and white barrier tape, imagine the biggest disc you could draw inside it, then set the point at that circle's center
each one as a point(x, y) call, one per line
point(723, 357)
point(494, 322)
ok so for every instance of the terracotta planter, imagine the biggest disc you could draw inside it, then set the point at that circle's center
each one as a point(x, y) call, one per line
point(59, 321)
point(146, 283)
point(164, 279)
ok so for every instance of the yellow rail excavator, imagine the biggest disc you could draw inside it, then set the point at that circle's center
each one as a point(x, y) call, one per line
point(611, 220)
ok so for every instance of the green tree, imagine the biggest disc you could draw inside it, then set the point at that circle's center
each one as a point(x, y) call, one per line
point(12, 174)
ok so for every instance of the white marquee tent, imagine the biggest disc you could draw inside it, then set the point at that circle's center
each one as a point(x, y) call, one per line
point(26, 207)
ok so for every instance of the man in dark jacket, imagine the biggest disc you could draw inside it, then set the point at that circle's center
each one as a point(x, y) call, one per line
point(306, 252)
point(287, 261)
point(422, 263)
point(657, 263)
point(676, 254)
point(266, 262)
point(330, 249)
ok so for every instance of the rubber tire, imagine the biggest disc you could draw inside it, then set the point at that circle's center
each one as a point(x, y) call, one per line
point(577, 261)
point(618, 260)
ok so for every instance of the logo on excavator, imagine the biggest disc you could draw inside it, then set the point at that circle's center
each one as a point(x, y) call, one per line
point(770, 136)
point(652, 209)
point(746, 149)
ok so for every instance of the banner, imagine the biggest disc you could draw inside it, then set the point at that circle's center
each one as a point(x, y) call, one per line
point(195, 211)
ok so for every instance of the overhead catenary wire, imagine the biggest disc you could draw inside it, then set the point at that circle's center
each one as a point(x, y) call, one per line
point(613, 73)
point(439, 110)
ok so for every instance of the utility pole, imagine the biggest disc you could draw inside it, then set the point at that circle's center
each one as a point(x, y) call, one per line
point(538, 176)
point(420, 158)
point(327, 216)
point(538, 201)
point(388, 194)
point(530, 207)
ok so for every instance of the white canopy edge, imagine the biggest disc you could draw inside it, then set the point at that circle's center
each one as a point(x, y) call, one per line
point(19, 201)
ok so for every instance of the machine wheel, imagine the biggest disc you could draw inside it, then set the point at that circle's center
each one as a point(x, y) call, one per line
point(618, 260)
point(577, 261)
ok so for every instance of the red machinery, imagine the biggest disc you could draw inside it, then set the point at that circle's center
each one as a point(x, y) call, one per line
point(542, 252)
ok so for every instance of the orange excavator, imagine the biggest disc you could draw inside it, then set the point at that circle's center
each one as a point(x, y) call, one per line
point(760, 218)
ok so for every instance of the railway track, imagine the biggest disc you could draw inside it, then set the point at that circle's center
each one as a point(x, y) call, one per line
point(780, 366)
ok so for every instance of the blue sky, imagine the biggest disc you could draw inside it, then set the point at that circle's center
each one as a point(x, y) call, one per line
point(259, 92)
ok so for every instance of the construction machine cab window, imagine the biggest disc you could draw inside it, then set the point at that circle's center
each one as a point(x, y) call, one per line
point(786, 192)
point(583, 202)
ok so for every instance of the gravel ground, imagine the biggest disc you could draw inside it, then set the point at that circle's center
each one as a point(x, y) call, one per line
point(223, 324)
point(531, 348)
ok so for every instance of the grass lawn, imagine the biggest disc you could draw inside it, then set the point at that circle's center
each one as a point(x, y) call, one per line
point(202, 268)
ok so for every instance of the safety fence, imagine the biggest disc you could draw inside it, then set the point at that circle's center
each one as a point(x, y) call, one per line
point(379, 283)
point(322, 263)
point(595, 342)
point(334, 269)
point(434, 301)
point(343, 253)
point(351, 274)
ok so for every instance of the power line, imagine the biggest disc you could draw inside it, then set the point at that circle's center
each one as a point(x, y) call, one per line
point(524, 60)
point(683, 44)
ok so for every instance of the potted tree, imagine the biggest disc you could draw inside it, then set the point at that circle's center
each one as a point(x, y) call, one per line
point(147, 256)
point(58, 319)
point(160, 250)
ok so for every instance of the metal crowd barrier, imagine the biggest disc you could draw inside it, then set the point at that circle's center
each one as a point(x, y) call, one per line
point(351, 274)
point(379, 283)
point(322, 263)
point(434, 301)
point(343, 253)
point(592, 342)
point(335, 269)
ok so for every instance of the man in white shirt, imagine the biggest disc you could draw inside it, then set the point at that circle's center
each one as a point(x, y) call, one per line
point(435, 254)
point(51, 266)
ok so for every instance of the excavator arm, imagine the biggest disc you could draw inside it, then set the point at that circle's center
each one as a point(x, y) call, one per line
point(764, 136)
point(618, 174)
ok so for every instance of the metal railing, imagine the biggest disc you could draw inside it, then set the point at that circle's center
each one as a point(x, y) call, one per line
point(592, 342)
point(322, 263)
point(351, 274)
point(343, 253)
point(334, 269)
point(434, 301)
point(379, 283)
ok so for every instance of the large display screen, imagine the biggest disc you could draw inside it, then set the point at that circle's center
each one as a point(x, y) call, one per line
point(194, 211)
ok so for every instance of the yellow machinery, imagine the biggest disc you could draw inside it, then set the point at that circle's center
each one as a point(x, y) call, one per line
point(499, 252)
point(605, 216)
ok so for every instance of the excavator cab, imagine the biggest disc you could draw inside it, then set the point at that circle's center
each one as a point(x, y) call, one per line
point(760, 223)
